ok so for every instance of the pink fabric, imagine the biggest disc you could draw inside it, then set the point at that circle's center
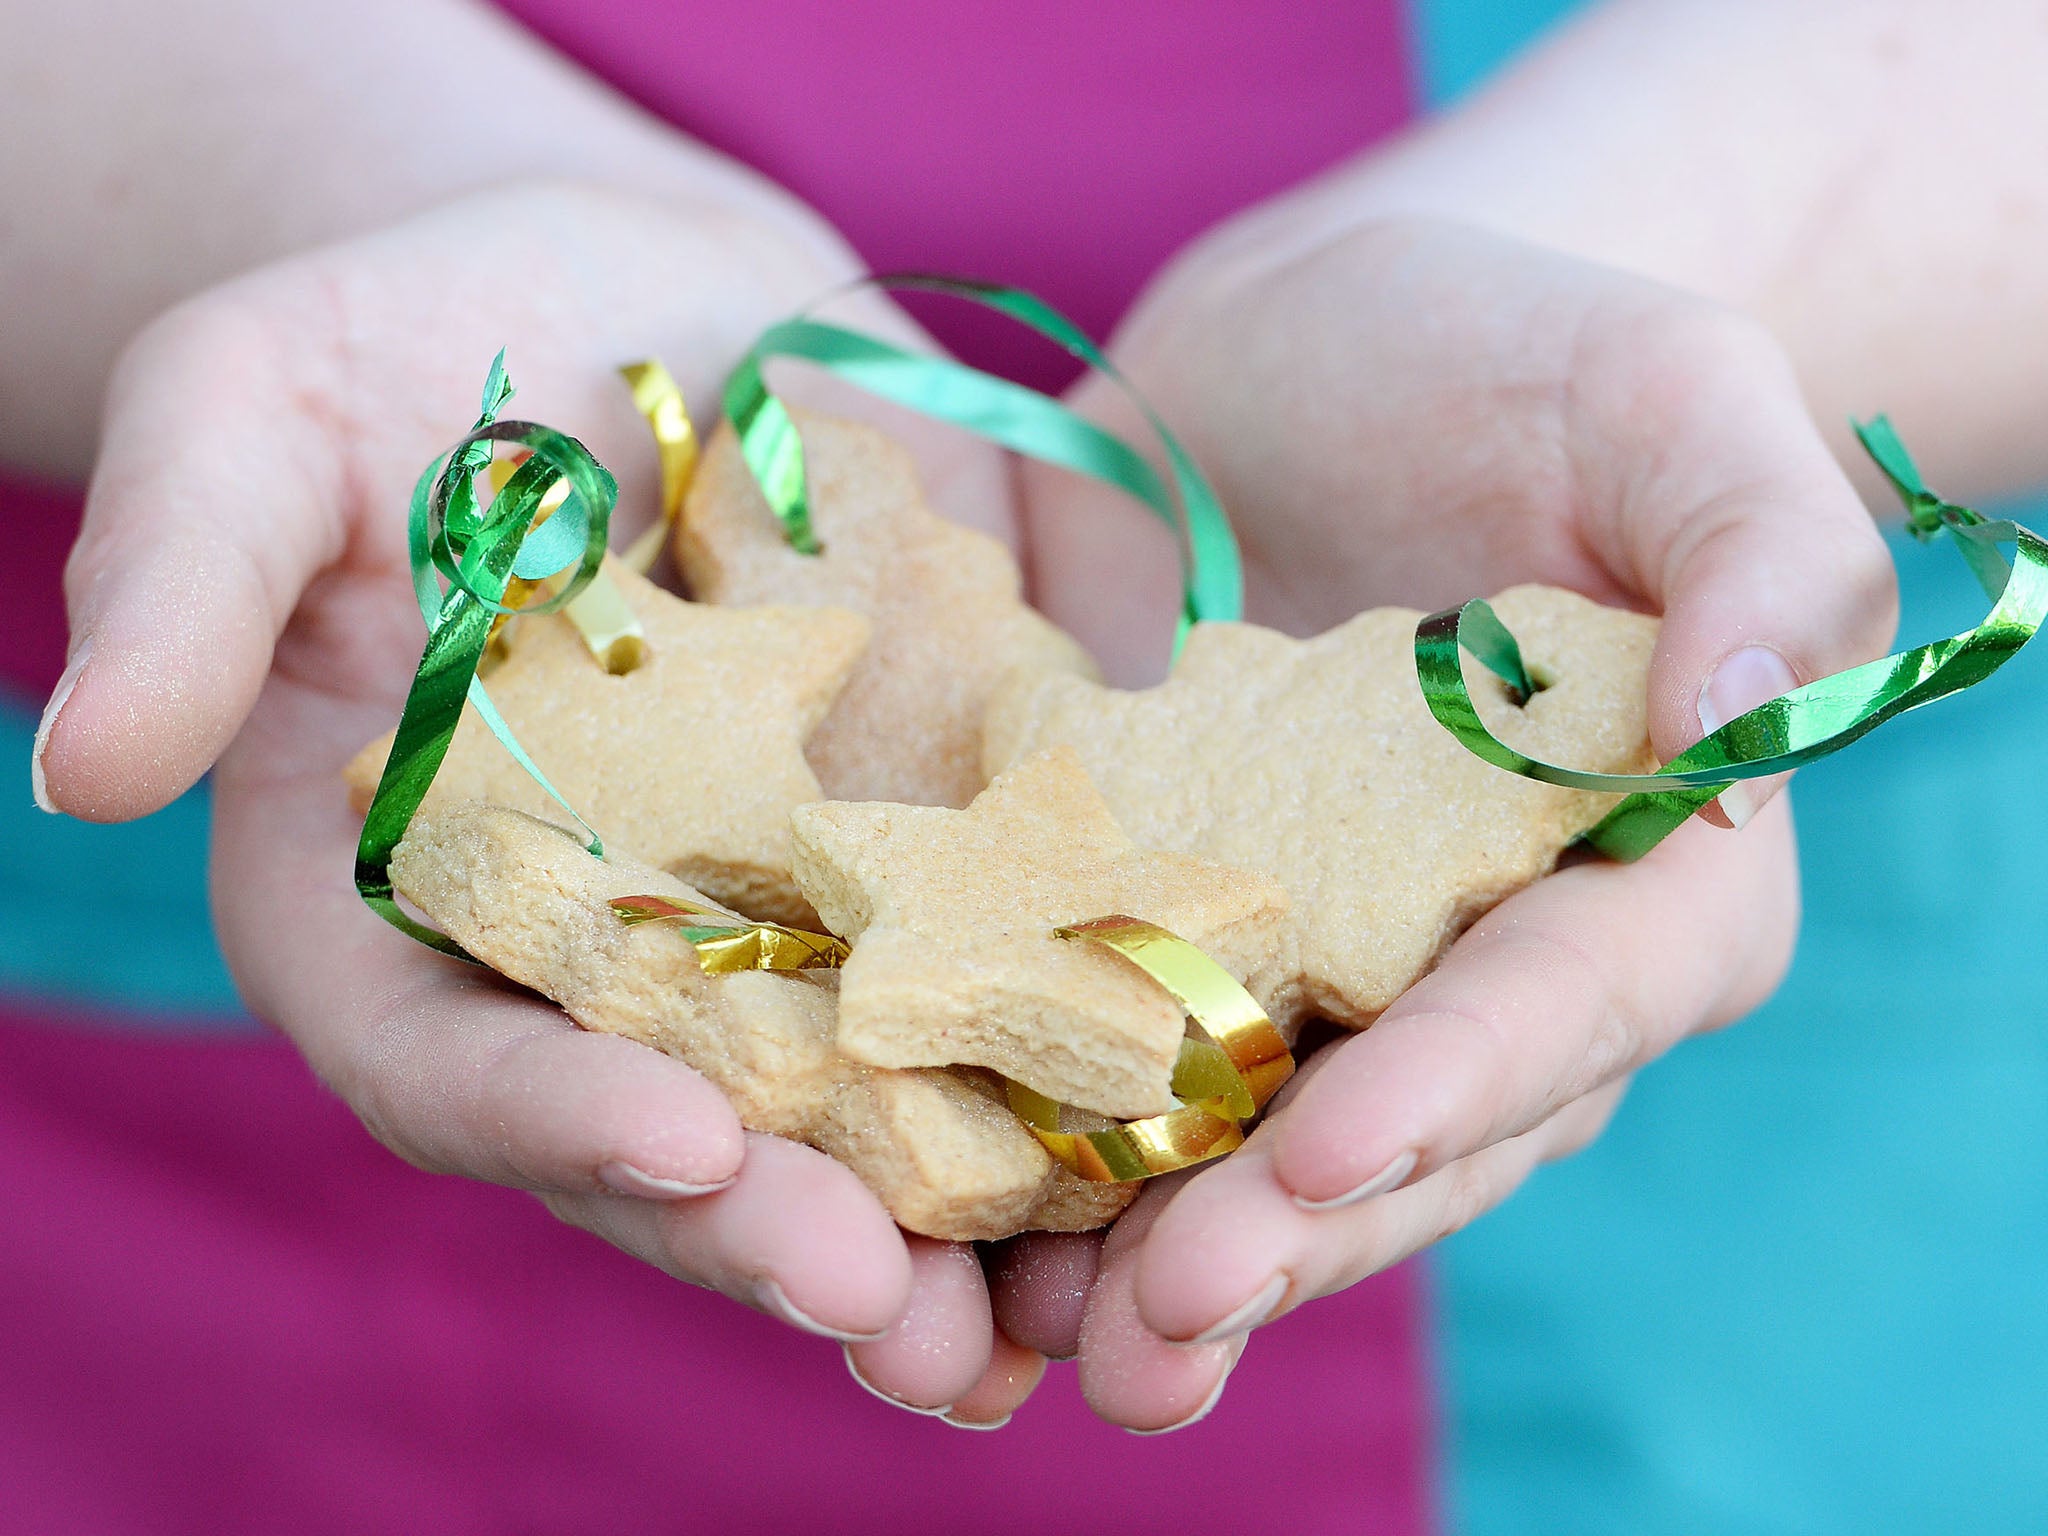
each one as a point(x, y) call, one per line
point(228, 1310)
point(1070, 146)
point(41, 521)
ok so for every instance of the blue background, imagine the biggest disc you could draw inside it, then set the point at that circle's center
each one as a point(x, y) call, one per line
point(1797, 1286)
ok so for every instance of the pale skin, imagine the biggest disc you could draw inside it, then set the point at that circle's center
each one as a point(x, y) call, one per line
point(1423, 378)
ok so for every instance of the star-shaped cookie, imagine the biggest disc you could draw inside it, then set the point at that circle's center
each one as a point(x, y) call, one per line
point(951, 914)
point(949, 620)
point(1318, 762)
point(692, 761)
point(939, 1149)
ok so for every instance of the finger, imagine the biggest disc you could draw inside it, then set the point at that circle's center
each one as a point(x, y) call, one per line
point(1565, 986)
point(1714, 493)
point(1128, 1373)
point(458, 1074)
point(451, 1067)
point(796, 1236)
point(1233, 1251)
point(940, 1348)
point(216, 498)
point(1039, 1285)
point(455, 1070)
point(1013, 1374)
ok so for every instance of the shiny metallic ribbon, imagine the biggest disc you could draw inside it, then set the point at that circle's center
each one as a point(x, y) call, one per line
point(659, 399)
point(611, 630)
point(726, 942)
point(1020, 419)
point(1801, 727)
point(1232, 1062)
point(479, 552)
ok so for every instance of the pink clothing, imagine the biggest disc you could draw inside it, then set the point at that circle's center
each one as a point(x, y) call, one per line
point(1068, 146)
point(228, 1310)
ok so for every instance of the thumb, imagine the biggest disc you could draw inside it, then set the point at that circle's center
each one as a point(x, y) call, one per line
point(216, 498)
point(1748, 536)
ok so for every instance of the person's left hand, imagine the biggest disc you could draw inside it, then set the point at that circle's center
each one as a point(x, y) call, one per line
point(1419, 413)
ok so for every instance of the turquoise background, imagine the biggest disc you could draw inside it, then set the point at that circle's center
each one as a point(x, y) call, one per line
point(1797, 1286)
point(1458, 43)
point(137, 891)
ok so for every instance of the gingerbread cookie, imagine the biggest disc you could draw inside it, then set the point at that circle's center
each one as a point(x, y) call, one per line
point(692, 761)
point(951, 915)
point(941, 1151)
point(1318, 762)
point(944, 601)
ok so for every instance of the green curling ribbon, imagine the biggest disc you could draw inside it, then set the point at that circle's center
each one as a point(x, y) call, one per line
point(1785, 733)
point(1020, 419)
point(478, 551)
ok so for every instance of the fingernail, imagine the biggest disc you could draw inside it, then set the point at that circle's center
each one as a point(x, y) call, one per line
point(1389, 1177)
point(872, 1390)
point(1208, 1405)
point(1751, 676)
point(1247, 1317)
point(772, 1299)
point(975, 1423)
point(625, 1179)
point(59, 697)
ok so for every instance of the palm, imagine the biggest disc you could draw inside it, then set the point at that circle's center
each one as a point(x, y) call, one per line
point(263, 442)
point(1417, 414)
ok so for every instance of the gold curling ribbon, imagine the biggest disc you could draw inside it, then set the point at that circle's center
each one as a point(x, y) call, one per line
point(658, 397)
point(727, 942)
point(1232, 1062)
point(600, 612)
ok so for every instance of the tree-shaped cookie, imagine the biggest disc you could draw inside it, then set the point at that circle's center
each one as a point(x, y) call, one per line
point(1318, 762)
point(952, 916)
point(941, 1151)
point(948, 617)
point(692, 761)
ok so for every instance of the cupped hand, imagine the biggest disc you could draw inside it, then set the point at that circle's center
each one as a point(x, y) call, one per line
point(240, 600)
point(1418, 413)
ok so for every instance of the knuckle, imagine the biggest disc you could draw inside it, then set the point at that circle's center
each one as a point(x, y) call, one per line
point(1609, 1033)
point(1689, 349)
point(1476, 1185)
point(1579, 1030)
point(1577, 1126)
point(375, 1069)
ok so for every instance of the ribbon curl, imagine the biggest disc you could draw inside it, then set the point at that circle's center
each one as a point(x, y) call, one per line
point(726, 942)
point(479, 551)
point(1018, 418)
point(1800, 727)
point(1232, 1062)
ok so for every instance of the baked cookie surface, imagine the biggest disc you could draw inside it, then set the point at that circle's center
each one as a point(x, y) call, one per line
point(941, 1151)
point(691, 762)
point(1318, 762)
point(949, 621)
point(951, 915)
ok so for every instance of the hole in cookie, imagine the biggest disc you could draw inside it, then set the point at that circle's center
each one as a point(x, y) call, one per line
point(1540, 678)
point(624, 654)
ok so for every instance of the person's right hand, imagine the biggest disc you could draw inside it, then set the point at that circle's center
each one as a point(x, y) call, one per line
point(240, 601)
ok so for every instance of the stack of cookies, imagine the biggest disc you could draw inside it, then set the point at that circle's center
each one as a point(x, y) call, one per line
point(886, 743)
